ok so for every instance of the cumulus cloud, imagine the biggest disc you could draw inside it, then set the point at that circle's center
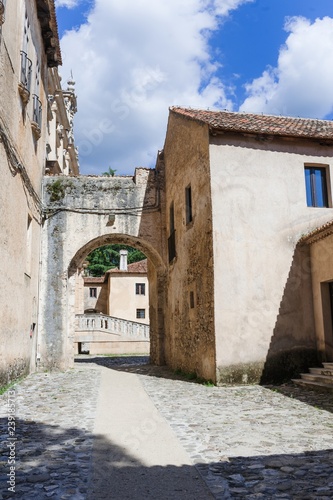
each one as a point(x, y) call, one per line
point(131, 61)
point(69, 4)
point(302, 82)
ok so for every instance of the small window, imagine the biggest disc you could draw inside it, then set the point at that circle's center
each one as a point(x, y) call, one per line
point(140, 313)
point(192, 304)
point(93, 292)
point(316, 186)
point(172, 218)
point(172, 234)
point(140, 289)
point(188, 202)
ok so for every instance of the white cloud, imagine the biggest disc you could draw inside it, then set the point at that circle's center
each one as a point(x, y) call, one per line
point(69, 4)
point(302, 82)
point(131, 61)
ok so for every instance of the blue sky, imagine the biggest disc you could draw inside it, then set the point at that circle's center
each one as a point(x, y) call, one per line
point(133, 59)
point(251, 37)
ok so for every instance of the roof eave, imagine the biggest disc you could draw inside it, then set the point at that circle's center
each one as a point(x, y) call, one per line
point(49, 29)
point(267, 136)
point(317, 234)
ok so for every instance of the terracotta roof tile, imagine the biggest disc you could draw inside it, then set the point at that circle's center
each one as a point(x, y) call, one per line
point(136, 267)
point(319, 233)
point(260, 124)
point(92, 279)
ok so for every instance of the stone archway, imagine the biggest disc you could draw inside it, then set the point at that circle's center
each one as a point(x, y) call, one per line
point(156, 276)
point(84, 213)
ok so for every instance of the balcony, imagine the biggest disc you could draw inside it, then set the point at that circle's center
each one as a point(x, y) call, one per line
point(25, 80)
point(36, 123)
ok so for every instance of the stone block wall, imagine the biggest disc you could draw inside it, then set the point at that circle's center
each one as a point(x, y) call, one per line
point(190, 341)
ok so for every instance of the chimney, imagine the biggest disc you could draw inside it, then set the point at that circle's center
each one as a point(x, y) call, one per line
point(123, 260)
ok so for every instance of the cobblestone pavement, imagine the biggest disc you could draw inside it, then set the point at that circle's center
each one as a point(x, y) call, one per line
point(248, 442)
point(53, 425)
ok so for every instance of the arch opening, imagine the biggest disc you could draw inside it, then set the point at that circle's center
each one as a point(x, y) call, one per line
point(96, 333)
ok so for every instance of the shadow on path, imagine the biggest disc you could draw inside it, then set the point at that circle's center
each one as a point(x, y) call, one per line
point(53, 462)
point(50, 459)
point(319, 400)
point(140, 365)
point(134, 364)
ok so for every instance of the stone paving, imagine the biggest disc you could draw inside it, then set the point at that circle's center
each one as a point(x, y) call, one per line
point(52, 436)
point(252, 442)
point(247, 442)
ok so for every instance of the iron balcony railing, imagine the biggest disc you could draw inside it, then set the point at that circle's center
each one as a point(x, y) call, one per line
point(26, 70)
point(37, 111)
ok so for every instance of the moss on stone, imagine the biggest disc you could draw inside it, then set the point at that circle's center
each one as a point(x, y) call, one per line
point(278, 368)
point(57, 189)
point(13, 373)
point(242, 373)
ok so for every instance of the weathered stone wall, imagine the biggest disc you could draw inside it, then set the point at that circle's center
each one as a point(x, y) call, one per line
point(190, 341)
point(264, 317)
point(84, 213)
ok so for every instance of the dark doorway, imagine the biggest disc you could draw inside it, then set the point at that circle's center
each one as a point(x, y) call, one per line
point(83, 348)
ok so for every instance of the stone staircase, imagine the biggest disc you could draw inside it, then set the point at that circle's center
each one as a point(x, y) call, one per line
point(320, 379)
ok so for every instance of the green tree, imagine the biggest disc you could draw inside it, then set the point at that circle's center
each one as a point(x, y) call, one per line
point(107, 257)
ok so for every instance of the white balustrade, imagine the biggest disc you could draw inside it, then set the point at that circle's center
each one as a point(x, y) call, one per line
point(110, 324)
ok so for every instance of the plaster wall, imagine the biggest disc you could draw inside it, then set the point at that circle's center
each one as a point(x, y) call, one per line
point(20, 189)
point(123, 301)
point(79, 210)
point(100, 303)
point(322, 274)
point(190, 342)
point(262, 287)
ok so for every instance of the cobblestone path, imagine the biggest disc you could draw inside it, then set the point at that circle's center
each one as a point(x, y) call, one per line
point(53, 434)
point(247, 442)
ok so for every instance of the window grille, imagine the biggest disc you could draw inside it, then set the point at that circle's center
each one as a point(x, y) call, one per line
point(26, 70)
point(37, 111)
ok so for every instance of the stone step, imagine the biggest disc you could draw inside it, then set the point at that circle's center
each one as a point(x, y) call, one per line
point(322, 371)
point(329, 366)
point(316, 386)
point(322, 379)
